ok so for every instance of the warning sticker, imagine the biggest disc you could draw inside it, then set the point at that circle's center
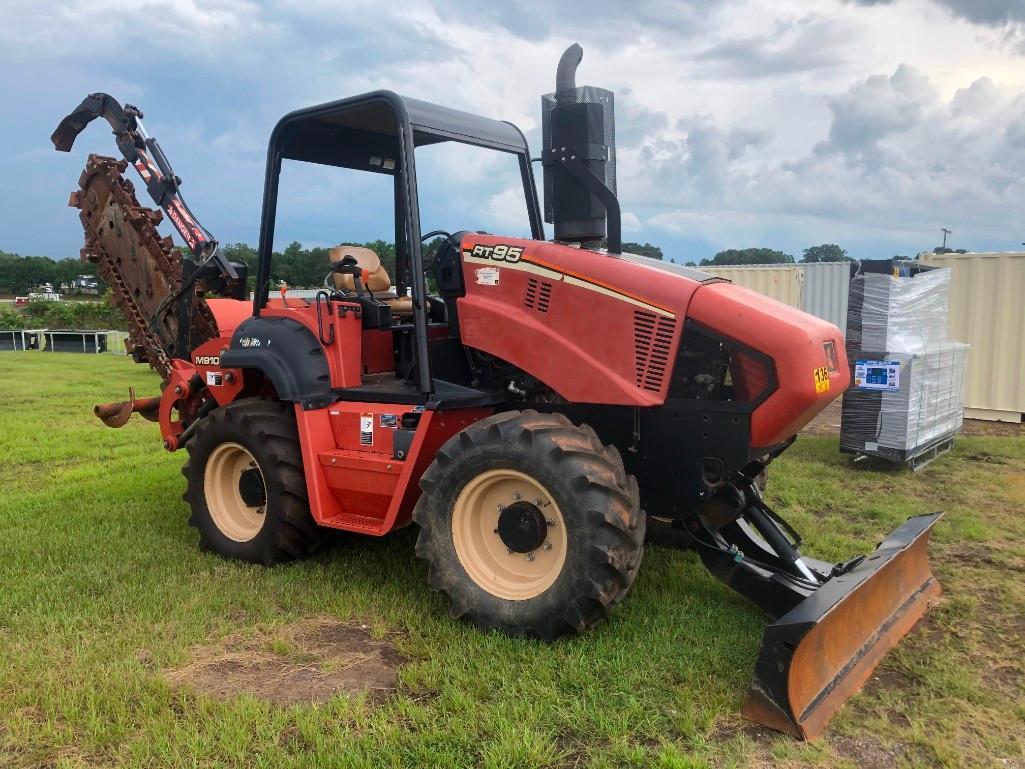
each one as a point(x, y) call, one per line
point(881, 375)
point(214, 379)
point(366, 429)
point(821, 380)
point(389, 420)
point(487, 276)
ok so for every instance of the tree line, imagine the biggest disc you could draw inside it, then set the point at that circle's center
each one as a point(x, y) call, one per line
point(304, 267)
point(63, 315)
point(827, 252)
point(23, 274)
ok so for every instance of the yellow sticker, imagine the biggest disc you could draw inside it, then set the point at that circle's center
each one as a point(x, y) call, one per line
point(821, 380)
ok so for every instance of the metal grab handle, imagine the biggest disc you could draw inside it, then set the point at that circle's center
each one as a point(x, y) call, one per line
point(320, 318)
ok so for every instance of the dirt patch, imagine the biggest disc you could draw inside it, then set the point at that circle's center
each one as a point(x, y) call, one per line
point(884, 679)
point(827, 422)
point(310, 661)
point(987, 427)
point(867, 752)
point(983, 555)
point(732, 726)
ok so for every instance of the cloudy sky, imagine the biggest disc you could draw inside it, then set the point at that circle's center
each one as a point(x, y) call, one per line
point(779, 123)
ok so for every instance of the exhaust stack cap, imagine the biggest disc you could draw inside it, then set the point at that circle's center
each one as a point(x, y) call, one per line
point(566, 74)
point(577, 124)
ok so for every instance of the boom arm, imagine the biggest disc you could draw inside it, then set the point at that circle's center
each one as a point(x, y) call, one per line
point(145, 154)
point(160, 291)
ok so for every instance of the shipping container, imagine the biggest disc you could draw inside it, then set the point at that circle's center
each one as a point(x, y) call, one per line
point(987, 311)
point(782, 282)
point(826, 285)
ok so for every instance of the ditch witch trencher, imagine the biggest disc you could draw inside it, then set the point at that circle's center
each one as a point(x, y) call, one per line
point(533, 406)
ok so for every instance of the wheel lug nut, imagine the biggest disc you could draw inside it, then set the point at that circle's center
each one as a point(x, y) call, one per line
point(550, 521)
point(538, 502)
point(517, 495)
point(500, 508)
point(530, 556)
point(509, 550)
point(548, 546)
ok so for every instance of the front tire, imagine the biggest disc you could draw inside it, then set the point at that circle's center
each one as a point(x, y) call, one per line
point(530, 525)
point(246, 485)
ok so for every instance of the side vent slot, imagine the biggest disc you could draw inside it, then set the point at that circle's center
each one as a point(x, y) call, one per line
point(538, 295)
point(653, 338)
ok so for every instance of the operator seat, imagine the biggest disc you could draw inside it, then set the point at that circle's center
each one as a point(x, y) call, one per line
point(378, 282)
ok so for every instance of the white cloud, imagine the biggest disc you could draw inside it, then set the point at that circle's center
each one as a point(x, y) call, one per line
point(740, 122)
point(630, 222)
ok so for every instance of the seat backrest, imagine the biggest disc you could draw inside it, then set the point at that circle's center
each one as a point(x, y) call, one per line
point(368, 260)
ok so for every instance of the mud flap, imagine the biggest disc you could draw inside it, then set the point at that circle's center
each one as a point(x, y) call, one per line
point(823, 650)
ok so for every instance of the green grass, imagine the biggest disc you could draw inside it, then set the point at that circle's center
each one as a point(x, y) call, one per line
point(102, 588)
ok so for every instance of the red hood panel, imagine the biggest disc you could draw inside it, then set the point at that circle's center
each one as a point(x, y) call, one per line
point(794, 340)
point(601, 328)
point(596, 328)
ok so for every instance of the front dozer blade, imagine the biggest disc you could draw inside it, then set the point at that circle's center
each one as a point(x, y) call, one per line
point(822, 651)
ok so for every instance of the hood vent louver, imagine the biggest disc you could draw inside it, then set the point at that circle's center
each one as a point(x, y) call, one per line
point(538, 295)
point(653, 338)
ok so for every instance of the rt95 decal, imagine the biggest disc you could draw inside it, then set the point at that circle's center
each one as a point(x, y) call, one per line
point(501, 252)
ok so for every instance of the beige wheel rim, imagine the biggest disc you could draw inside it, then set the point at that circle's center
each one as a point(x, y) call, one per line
point(487, 559)
point(236, 519)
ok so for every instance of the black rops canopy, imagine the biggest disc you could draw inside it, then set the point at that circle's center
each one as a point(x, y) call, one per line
point(378, 132)
point(363, 132)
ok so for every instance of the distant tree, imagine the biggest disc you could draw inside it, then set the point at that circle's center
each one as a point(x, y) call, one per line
point(749, 256)
point(22, 274)
point(246, 254)
point(643, 249)
point(827, 252)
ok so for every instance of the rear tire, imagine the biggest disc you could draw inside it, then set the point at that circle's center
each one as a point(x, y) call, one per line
point(246, 485)
point(537, 570)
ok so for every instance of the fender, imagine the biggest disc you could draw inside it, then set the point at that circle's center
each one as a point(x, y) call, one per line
point(288, 353)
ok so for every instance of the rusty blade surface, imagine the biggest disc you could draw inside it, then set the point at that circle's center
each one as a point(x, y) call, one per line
point(821, 653)
point(140, 266)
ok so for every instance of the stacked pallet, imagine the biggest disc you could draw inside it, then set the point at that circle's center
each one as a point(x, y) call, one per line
point(905, 403)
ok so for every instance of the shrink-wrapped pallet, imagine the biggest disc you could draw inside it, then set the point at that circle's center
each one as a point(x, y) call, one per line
point(905, 402)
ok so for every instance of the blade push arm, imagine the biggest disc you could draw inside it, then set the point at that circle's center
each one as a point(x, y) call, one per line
point(145, 154)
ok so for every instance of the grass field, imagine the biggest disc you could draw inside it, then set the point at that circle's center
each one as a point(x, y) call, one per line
point(103, 592)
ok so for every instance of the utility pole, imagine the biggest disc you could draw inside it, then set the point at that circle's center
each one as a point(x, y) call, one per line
point(945, 233)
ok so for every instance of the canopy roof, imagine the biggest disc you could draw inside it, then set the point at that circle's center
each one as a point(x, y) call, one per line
point(363, 131)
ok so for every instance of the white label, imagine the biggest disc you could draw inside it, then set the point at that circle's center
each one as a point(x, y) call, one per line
point(366, 429)
point(214, 379)
point(882, 375)
point(487, 276)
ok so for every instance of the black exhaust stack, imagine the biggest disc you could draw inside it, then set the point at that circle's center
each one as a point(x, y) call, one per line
point(579, 158)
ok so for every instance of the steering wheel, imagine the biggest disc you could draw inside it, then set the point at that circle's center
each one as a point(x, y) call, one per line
point(434, 234)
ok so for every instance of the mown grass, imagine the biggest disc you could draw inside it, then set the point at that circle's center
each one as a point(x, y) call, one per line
point(102, 588)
